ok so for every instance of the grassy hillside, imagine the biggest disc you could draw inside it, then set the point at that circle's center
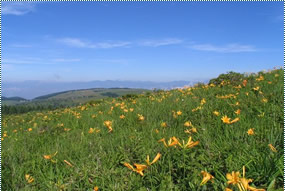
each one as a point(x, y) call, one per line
point(65, 99)
point(90, 94)
point(12, 100)
point(195, 138)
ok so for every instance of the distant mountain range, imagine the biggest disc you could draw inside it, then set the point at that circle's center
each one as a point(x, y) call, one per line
point(32, 89)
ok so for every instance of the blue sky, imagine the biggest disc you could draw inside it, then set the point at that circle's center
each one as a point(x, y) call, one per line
point(154, 41)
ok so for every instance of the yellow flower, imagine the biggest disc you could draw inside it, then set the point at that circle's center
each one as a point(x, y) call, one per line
point(122, 117)
point(238, 112)
point(196, 109)
point(235, 120)
point(189, 143)
point(188, 131)
point(272, 148)
point(129, 166)
point(173, 141)
point(226, 120)
point(203, 101)
point(241, 183)
point(264, 100)
point(244, 183)
point(140, 168)
point(179, 113)
point(93, 116)
point(233, 178)
point(256, 88)
point(228, 189)
point(163, 140)
point(163, 124)
point(194, 130)
point(95, 188)
point(212, 85)
point(68, 163)
point(188, 124)
point(154, 160)
point(141, 117)
point(108, 124)
point(260, 78)
point(91, 130)
point(244, 82)
point(250, 131)
point(131, 109)
point(49, 157)
point(66, 129)
point(156, 130)
point(30, 129)
point(206, 177)
point(216, 113)
point(29, 178)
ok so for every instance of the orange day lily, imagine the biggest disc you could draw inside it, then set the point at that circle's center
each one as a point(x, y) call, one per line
point(29, 178)
point(250, 131)
point(272, 148)
point(226, 119)
point(206, 177)
point(139, 168)
point(154, 160)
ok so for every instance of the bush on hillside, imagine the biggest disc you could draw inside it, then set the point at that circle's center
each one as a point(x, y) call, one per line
point(234, 78)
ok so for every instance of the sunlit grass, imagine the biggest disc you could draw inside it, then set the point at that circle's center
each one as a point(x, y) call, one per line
point(198, 137)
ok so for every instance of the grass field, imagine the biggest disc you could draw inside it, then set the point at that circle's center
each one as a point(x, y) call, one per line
point(233, 128)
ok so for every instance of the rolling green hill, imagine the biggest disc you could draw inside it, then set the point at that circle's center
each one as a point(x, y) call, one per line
point(65, 99)
point(12, 100)
point(90, 94)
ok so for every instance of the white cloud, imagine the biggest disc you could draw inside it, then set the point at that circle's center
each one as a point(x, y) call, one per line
point(21, 46)
point(19, 61)
point(76, 42)
point(111, 61)
point(229, 48)
point(37, 61)
point(162, 42)
point(65, 60)
point(17, 8)
point(79, 43)
point(110, 44)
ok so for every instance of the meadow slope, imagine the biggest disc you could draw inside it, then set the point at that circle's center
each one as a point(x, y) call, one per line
point(105, 146)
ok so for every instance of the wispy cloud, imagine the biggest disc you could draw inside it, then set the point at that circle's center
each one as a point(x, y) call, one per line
point(66, 60)
point(19, 61)
point(37, 61)
point(229, 48)
point(111, 61)
point(17, 8)
point(79, 43)
point(162, 42)
point(21, 46)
